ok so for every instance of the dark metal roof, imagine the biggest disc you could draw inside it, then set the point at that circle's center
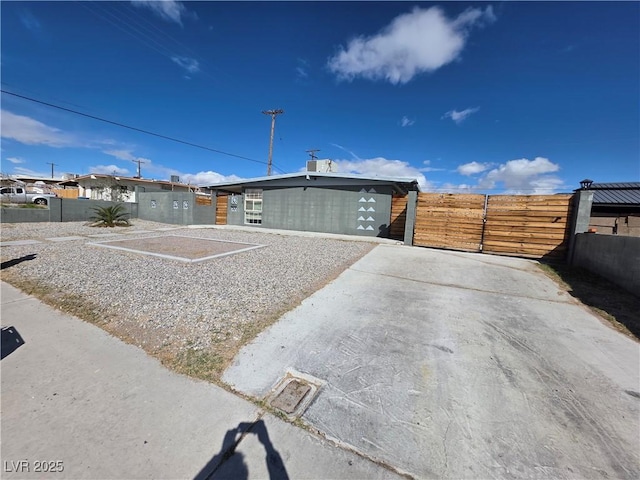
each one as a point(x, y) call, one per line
point(401, 184)
point(616, 193)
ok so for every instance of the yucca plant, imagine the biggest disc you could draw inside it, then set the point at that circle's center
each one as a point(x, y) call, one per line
point(110, 216)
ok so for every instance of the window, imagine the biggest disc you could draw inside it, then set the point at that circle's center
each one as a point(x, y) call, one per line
point(253, 206)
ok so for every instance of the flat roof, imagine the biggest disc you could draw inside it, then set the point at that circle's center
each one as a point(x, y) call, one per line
point(404, 181)
point(132, 179)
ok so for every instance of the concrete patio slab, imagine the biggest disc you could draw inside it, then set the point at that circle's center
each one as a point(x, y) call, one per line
point(456, 365)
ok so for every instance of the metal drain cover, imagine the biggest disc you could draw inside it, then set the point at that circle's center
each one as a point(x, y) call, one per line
point(291, 396)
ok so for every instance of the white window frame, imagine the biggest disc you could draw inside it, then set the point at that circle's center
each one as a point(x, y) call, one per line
point(253, 206)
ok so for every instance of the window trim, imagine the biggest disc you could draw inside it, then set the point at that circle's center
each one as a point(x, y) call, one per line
point(255, 196)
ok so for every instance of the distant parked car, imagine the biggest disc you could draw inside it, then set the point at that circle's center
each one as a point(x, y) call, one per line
point(20, 195)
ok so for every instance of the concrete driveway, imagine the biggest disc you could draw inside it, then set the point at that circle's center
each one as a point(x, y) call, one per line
point(79, 403)
point(454, 365)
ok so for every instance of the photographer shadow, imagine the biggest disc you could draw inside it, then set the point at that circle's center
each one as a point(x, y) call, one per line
point(228, 463)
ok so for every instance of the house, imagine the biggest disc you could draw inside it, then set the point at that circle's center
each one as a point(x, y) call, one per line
point(616, 208)
point(30, 179)
point(313, 201)
point(98, 186)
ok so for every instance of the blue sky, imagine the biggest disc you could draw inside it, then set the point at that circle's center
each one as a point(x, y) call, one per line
point(526, 97)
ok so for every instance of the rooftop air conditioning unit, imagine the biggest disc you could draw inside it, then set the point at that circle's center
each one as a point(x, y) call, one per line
point(321, 166)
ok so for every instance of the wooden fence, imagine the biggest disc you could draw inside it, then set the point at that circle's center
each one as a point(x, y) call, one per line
point(66, 192)
point(203, 200)
point(527, 225)
point(398, 216)
point(221, 209)
point(445, 220)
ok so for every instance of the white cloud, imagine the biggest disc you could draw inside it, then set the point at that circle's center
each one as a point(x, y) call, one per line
point(382, 167)
point(472, 168)
point(406, 122)
point(170, 10)
point(149, 169)
point(456, 188)
point(109, 170)
point(191, 65)
point(27, 172)
point(15, 160)
point(32, 132)
point(413, 43)
point(120, 154)
point(459, 117)
point(126, 155)
point(524, 176)
point(428, 168)
point(207, 178)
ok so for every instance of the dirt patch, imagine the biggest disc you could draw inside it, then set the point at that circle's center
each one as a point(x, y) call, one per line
point(614, 304)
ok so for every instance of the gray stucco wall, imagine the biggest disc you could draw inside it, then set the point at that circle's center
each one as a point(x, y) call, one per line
point(205, 214)
point(81, 210)
point(351, 210)
point(235, 216)
point(167, 207)
point(22, 215)
point(614, 257)
point(62, 210)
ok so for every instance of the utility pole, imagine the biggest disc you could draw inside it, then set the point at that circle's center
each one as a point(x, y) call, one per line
point(138, 161)
point(273, 114)
point(52, 165)
point(313, 153)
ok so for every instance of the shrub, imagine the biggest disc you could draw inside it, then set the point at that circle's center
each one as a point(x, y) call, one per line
point(110, 216)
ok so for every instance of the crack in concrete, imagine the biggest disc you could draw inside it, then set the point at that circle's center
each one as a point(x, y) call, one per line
point(459, 287)
point(444, 447)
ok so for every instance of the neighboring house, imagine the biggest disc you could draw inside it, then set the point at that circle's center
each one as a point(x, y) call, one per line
point(39, 180)
point(67, 188)
point(123, 189)
point(616, 208)
point(314, 201)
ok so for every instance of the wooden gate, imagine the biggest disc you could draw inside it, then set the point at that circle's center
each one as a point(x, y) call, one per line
point(528, 225)
point(221, 209)
point(445, 220)
point(398, 216)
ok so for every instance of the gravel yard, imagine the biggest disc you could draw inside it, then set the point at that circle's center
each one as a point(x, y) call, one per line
point(193, 316)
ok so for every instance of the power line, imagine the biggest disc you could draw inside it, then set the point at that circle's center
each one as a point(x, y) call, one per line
point(129, 25)
point(166, 137)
